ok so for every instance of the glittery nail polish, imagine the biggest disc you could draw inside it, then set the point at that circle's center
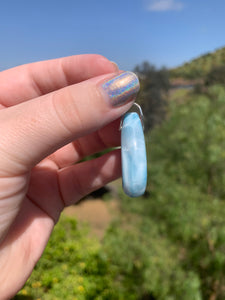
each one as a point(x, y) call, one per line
point(121, 88)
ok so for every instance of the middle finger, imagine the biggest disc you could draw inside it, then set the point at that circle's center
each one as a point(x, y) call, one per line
point(106, 137)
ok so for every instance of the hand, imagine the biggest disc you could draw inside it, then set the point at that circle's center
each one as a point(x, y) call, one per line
point(53, 114)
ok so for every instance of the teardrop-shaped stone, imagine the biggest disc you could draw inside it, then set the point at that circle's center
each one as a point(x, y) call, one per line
point(133, 151)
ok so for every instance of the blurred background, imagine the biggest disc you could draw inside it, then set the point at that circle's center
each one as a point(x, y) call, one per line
point(170, 243)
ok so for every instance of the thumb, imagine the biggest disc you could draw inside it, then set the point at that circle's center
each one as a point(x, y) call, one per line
point(32, 130)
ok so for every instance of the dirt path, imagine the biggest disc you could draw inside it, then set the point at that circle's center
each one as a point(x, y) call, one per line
point(97, 213)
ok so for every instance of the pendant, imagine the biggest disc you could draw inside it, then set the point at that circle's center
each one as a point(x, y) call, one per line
point(133, 154)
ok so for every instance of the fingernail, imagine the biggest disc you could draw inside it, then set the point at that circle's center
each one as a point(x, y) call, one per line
point(115, 65)
point(121, 88)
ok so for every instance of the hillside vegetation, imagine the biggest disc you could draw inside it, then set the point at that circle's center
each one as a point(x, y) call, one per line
point(201, 66)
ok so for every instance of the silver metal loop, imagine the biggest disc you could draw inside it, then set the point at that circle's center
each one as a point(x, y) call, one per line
point(141, 116)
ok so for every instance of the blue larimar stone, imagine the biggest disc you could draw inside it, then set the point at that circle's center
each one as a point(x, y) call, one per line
point(133, 151)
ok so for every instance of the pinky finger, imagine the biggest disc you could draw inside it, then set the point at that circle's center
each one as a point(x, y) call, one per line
point(79, 180)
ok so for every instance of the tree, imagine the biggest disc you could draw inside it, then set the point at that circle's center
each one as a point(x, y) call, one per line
point(216, 76)
point(154, 87)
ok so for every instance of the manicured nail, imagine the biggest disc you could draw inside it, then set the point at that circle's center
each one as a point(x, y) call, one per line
point(121, 88)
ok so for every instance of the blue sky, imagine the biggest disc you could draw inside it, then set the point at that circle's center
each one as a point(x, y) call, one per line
point(163, 32)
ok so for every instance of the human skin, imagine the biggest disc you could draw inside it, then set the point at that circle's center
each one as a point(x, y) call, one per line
point(52, 114)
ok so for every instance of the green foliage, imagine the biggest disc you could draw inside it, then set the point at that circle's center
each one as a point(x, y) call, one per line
point(194, 142)
point(147, 261)
point(201, 66)
point(188, 185)
point(178, 95)
point(72, 267)
point(128, 265)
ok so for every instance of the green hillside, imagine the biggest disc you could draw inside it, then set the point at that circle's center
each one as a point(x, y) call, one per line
point(200, 67)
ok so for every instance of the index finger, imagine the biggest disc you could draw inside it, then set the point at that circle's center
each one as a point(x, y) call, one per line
point(32, 80)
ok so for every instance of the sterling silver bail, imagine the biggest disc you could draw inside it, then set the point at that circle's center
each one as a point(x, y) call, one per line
point(141, 116)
